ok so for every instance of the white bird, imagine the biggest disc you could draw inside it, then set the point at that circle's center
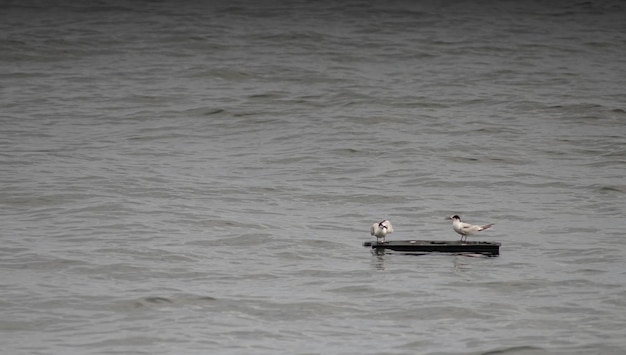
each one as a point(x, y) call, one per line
point(381, 229)
point(465, 229)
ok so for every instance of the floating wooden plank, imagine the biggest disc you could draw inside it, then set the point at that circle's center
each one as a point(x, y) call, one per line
point(431, 246)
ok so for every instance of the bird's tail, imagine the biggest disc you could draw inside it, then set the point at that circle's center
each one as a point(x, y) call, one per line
point(486, 226)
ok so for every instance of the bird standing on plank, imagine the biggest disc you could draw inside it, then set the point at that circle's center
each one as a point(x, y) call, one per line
point(465, 229)
point(381, 229)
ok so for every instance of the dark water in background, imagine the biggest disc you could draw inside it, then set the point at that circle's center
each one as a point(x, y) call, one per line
point(191, 177)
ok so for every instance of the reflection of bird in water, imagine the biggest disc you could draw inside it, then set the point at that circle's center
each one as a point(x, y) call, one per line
point(381, 229)
point(379, 262)
point(465, 229)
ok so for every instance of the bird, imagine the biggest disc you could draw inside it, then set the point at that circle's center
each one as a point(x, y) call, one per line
point(465, 229)
point(381, 229)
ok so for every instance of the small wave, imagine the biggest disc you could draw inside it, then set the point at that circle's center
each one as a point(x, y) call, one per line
point(526, 350)
point(176, 300)
point(610, 188)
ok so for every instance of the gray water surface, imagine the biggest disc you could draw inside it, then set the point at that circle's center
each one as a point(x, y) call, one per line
point(192, 178)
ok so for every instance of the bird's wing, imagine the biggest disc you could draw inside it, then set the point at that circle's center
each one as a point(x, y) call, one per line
point(486, 226)
point(469, 228)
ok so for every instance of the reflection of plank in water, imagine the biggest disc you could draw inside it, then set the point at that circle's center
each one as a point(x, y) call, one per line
point(430, 246)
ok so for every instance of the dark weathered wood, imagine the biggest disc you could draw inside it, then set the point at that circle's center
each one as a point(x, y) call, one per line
point(429, 246)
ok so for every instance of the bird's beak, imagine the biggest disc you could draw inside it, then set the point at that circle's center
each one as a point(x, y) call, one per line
point(449, 217)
